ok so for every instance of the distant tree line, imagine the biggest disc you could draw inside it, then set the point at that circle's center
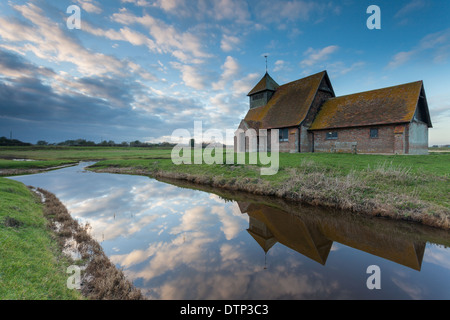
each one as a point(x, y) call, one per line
point(85, 143)
point(441, 146)
point(12, 142)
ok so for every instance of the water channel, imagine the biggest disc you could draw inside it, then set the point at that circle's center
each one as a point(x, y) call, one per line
point(179, 241)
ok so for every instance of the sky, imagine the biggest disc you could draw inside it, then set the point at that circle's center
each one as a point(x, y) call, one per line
point(140, 69)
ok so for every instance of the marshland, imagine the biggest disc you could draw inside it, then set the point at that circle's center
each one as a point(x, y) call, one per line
point(225, 231)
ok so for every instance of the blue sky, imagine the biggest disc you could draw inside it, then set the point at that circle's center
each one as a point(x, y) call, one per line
point(139, 69)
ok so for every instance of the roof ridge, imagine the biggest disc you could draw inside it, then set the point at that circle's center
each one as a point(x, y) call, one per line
point(384, 88)
point(398, 105)
point(312, 75)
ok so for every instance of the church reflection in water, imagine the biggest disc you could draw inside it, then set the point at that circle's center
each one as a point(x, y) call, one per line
point(313, 237)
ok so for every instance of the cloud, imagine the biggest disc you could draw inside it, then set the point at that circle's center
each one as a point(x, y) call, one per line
point(314, 56)
point(231, 10)
point(49, 41)
point(139, 3)
point(410, 7)
point(436, 45)
point(123, 34)
point(286, 10)
point(244, 85)
point(68, 105)
point(169, 5)
point(228, 43)
point(90, 6)
point(191, 76)
point(230, 70)
point(166, 5)
point(14, 66)
point(400, 58)
point(280, 65)
point(294, 10)
point(166, 38)
point(341, 68)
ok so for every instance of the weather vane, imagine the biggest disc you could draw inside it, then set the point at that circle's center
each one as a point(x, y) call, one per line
point(266, 62)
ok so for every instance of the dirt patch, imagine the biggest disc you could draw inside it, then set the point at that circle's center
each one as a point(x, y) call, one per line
point(101, 280)
point(12, 223)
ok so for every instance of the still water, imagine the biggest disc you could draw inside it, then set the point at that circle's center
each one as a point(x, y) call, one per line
point(176, 242)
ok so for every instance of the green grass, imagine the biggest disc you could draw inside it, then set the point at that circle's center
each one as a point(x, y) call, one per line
point(31, 264)
point(80, 153)
point(11, 164)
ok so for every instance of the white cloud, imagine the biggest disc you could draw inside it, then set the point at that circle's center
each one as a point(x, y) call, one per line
point(50, 42)
point(169, 5)
point(123, 34)
point(280, 65)
point(436, 45)
point(340, 68)
point(231, 9)
point(90, 6)
point(317, 55)
point(244, 85)
point(139, 70)
point(139, 3)
point(410, 7)
point(191, 76)
point(228, 43)
point(230, 70)
point(400, 58)
point(287, 10)
point(166, 38)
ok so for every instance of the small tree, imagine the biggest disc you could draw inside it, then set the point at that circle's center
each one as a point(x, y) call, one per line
point(42, 143)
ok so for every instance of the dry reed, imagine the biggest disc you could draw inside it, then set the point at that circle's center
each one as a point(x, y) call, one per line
point(101, 279)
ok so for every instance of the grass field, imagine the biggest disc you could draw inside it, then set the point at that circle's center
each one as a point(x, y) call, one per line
point(54, 153)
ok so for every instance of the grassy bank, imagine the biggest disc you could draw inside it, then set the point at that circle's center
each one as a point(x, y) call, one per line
point(402, 187)
point(33, 239)
point(32, 266)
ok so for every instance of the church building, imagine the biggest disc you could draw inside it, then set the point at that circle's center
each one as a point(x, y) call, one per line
point(310, 118)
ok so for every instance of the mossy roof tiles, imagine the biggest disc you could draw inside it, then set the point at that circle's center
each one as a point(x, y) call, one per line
point(390, 105)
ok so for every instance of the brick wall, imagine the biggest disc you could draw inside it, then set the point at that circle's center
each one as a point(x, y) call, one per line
point(349, 137)
point(292, 144)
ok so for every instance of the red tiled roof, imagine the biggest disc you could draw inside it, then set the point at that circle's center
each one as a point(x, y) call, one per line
point(390, 105)
point(289, 105)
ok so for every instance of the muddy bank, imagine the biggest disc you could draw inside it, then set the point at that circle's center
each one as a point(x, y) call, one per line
point(331, 193)
point(100, 280)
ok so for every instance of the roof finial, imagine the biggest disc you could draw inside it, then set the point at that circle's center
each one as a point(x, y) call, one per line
point(266, 62)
